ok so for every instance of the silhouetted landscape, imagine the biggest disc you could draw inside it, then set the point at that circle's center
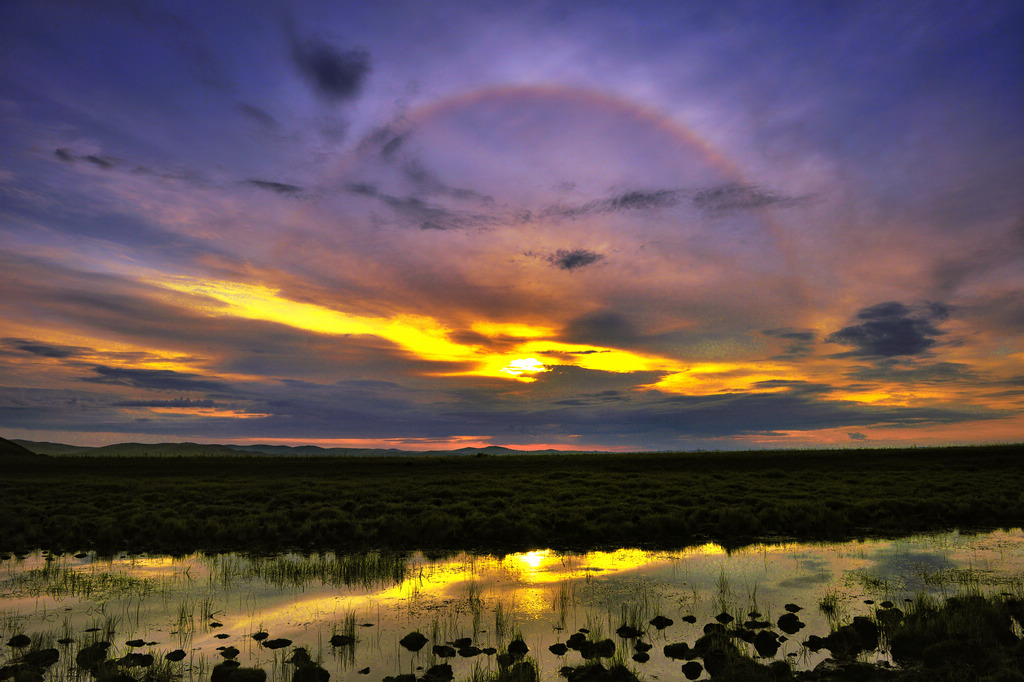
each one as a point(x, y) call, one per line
point(209, 500)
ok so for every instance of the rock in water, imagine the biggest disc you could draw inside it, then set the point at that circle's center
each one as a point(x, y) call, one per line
point(414, 641)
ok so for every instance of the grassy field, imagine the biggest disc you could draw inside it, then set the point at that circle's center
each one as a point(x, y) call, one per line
point(502, 503)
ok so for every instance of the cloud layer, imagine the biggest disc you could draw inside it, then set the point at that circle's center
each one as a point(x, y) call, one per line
point(656, 226)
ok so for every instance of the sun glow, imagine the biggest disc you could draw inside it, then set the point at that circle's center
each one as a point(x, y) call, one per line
point(523, 366)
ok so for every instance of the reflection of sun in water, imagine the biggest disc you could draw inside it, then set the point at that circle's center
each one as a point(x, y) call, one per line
point(533, 560)
point(524, 366)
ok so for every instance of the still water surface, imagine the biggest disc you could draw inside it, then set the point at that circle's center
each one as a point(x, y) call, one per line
point(198, 603)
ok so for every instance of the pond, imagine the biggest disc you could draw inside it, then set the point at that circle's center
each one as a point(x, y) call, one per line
point(210, 606)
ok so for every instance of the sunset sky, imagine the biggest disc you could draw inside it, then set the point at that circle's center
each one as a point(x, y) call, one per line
point(581, 225)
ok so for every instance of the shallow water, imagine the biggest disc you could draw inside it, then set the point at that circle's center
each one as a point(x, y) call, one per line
point(191, 602)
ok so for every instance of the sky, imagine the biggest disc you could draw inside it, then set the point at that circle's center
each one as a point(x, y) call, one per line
point(577, 225)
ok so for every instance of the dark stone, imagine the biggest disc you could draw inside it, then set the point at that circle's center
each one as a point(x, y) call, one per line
point(260, 636)
point(523, 671)
point(690, 619)
point(558, 649)
point(462, 642)
point(66, 640)
point(724, 618)
point(489, 651)
point(136, 642)
point(867, 632)
point(517, 647)
point(176, 655)
point(279, 643)
point(469, 651)
point(89, 657)
point(576, 640)
point(215, 624)
point(230, 652)
point(443, 651)
point(603, 649)
point(310, 672)
point(92, 630)
point(641, 657)
point(441, 672)
point(221, 635)
point(406, 677)
point(584, 631)
point(661, 622)
point(21, 672)
point(643, 647)
point(299, 657)
point(628, 632)
point(714, 627)
point(224, 672)
point(414, 641)
point(790, 623)
point(766, 644)
point(888, 617)
point(134, 660)
point(363, 671)
point(815, 643)
point(41, 658)
point(342, 640)
point(887, 604)
point(758, 624)
point(677, 651)
point(692, 670)
point(19, 641)
point(792, 608)
point(248, 675)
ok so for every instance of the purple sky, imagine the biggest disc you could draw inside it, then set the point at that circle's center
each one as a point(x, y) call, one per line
point(581, 225)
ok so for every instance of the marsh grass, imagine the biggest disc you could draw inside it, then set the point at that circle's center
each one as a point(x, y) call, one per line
point(287, 503)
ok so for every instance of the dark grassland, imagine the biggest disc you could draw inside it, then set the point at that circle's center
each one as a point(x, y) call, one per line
point(503, 503)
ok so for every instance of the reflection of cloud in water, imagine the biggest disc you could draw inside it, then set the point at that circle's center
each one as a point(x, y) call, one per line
point(805, 581)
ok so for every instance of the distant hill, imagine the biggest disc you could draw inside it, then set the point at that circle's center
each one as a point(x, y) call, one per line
point(10, 449)
point(51, 449)
point(214, 450)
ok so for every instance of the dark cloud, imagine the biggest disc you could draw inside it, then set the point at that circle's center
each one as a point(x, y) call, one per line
point(800, 342)
point(258, 115)
point(104, 162)
point(277, 187)
point(365, 189)
point(158, 379)
point(45, 350)
point(740, 197)
point(856, 436)
point(633, 200)
point(182, 403)
point(432, 216)
point(641, 200)
point(912, 372)
point(574, 259)
point(334, 74)
point(892, 329)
